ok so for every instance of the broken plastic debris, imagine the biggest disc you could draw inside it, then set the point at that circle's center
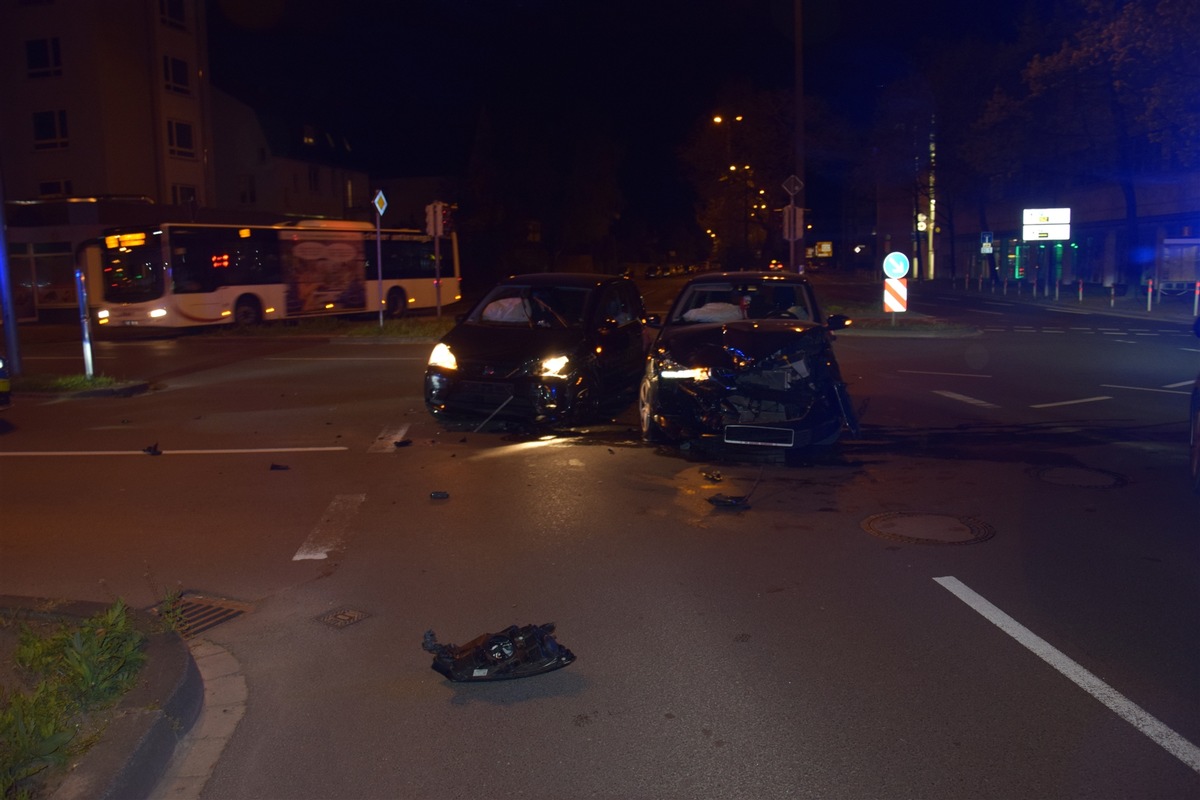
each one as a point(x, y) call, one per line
point(725, 501)
point(402, 442)
point(712, 475)
point(153, 450)
point(439, 495)
point(515, 652)
point(279, 466)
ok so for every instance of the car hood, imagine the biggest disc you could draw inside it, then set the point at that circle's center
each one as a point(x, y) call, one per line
point(511, 343)
point(744, 343)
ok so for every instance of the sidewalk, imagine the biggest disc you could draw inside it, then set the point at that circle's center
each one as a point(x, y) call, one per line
point(1095, 299)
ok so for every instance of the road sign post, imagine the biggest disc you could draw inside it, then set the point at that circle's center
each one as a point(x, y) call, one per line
point(380, 203)
point(895, 287)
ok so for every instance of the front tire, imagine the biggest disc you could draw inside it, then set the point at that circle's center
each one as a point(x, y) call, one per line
point(651, 431)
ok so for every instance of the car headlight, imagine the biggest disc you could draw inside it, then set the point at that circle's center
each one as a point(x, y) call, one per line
point(555, 367)
point(442, 357)
point(670, 371)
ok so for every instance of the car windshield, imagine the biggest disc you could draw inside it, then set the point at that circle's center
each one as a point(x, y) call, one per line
point(726, 301)
point(532, 306)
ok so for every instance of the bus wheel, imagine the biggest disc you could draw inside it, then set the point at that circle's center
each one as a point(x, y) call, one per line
point(397, 302)
point(247, 312)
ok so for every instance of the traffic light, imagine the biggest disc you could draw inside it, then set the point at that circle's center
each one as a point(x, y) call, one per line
point(433, 218)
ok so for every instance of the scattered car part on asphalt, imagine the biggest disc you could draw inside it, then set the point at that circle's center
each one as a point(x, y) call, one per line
point(515, 652)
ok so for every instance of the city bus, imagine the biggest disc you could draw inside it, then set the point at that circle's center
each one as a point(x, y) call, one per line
point(181, 275)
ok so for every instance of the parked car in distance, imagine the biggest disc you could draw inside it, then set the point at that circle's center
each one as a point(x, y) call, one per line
point(745, 360)
point(540, 350)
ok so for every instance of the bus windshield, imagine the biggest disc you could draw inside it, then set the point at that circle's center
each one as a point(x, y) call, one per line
point(132, 272)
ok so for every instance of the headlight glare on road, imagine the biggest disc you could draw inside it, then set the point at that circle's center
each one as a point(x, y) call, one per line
point(442, 357)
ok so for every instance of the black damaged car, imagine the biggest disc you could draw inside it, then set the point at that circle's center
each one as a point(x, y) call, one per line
point(540, 350)
point(745, 360)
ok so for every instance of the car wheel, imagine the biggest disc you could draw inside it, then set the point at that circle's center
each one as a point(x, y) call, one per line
point(247, 312)
point(1194, 440)
point(651, 432)
point(585, 400)
point(397, 302)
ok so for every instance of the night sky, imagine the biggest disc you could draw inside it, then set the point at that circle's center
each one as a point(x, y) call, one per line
point(406, 80)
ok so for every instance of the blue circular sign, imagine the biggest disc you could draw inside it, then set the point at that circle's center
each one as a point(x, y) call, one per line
point(895, 265)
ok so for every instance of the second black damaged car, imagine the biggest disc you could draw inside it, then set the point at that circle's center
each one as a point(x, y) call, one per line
point(545, 349)
point(746, 359)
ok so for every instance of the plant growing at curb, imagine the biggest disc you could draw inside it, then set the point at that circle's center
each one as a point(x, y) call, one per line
point(73, 670)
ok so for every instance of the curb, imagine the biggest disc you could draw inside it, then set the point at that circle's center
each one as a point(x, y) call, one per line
point(149, 721)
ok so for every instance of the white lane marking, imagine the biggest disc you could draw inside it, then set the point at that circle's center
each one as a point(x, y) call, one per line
point(345, 358)
point(1072, 402)
point(233, 451)
point(996, 303)
point(1177, 385)
point(385, 442)
point(1116, 702)
point(993, 313)
point(949, 374)
point(330, 533)
point(1140, 388)
point(64, 358)
point(965, 399)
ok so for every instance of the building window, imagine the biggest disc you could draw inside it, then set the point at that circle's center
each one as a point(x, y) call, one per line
point(49, 130)
point(43, 58)
point(246, 192)
point(180, 141)
point(175, 75)
point(183, 195)
point(173, 14)
point(54, 189)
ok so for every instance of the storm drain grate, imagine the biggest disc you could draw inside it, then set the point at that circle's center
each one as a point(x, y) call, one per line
point(193, 614)
point(344, 618)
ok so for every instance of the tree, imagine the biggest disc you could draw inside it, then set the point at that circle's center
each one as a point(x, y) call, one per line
point(1113, 103)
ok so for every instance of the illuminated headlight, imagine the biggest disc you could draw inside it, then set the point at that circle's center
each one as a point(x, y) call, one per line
point(158, 312)
point(677, 372)
point(442, 357)
point(554, 367)
point(102, 313)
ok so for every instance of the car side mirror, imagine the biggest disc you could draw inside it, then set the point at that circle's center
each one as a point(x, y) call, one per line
point(835, 322)
point(653, 321)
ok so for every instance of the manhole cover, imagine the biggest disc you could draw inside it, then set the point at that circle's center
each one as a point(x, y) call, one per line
point(936, 529)
point(344, 618)
point(1079, 476)
point(193, 614)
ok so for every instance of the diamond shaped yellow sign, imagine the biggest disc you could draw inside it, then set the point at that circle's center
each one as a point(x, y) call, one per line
point(380, 202)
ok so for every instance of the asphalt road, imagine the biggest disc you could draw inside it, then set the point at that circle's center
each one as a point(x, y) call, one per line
point(993, 593)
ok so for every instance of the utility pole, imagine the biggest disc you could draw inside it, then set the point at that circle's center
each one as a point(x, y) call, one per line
point(798, 132)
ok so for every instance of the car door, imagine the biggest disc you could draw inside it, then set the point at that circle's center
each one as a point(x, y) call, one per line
point(618, 330)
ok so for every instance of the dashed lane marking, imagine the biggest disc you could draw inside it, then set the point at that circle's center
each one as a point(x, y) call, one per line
point(331, 531)
point(1141, 388)
point(1072, 402)
point(385, 442)
point(1116, 702)
point(962, 398)
point(947, 374)
point(233, 451)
